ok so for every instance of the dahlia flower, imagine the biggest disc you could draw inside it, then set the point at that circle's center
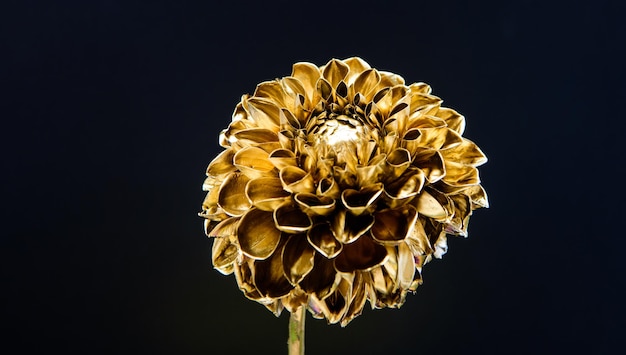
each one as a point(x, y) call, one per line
point(336, 185)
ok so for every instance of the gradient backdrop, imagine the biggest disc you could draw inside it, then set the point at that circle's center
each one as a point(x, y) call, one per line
point(111, 112)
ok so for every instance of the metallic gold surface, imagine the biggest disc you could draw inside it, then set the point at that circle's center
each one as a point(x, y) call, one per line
point(336, 185)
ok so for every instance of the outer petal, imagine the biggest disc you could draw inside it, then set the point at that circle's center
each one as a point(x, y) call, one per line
point(269, 277)
point(257, 235)
point(266, 193)
point(222, 164)
point(363, 254)
point(323, 240)
point(224, 254)
point(253, 162)
point(232, 197)
point(335, 71)
point(321, 281)
point(393, 226)
point(297, 258)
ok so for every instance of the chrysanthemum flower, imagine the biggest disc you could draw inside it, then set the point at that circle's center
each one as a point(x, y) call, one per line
point(336, 185)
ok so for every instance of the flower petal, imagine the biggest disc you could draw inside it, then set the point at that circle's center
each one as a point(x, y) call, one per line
point(478, 196)
point(296, 180)
point(431, 163)
point(269, 277)
point(253, 162)
point(224, 229)
point(222, 164)
point(257, 235)
point(307, 74)
point(393, 226)
point(323, 240)
point(263, 112)
point(321, 280)
point(298, 258)
point(366, 83)
point(290, 219)
point(454, 120)
point(418, 241)
point(362, 254)
point(315, 205)
point(245, 279)
point(266, 193)
point(358, 202)
point(466, 153)
point(460, 175)
point(358, 299)
point(347, 228)
point(224, 254)
point(335, 71)
point(255, 136)
point(232, 197)
point(430, 206)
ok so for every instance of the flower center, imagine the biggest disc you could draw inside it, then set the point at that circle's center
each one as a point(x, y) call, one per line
point(339, 131)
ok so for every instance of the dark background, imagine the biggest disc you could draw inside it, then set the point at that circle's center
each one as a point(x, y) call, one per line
point(111, 111)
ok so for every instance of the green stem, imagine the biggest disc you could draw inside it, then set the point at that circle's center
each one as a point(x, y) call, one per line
point(296, 331)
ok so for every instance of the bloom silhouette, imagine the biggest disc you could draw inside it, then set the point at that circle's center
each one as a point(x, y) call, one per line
point(336, 185)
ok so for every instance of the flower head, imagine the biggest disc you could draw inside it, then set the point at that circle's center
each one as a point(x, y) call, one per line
point(336, 185)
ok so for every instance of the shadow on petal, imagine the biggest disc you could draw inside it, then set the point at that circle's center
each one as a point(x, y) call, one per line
point(392, 226)
point(297, 258)
point(232, 197)
point(315, 205)
point(257, 234)
point(362, 254)
point(290, 219)
point(359, 201)
point(321, 280)
point(269, 276)
point(324, 241)
point(266, 193)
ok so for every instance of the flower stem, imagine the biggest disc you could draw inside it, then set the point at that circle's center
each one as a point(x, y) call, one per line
point(296, 331)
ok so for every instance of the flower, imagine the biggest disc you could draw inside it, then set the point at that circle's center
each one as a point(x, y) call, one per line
point(336, 185)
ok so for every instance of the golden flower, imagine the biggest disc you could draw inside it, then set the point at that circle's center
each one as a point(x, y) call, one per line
point(336, 185)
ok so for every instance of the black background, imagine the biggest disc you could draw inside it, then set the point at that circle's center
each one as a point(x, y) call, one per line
point(111, 111)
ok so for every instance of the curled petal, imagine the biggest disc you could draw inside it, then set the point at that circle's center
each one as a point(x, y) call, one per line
point(222, 164)
point(232, 197)
point(362, 254)
point(253, 162)
point(460, 219)
point(358, 299)
point(403, 189)
point(478, 196)
point(224, 254)
point(460, 175)
point(307, 74)
point(224, 229)
point(244, 275)
point(393, 226)
point(366, 83)
point(360, 201)
point(290, 219)
point(269, 277)
point(266, 193)
point(329, 188)
point(297, 258)
point(263, 112)
point(439, 138)
point(357, 66)
point(397, 162)
point(418, 241)
point(296, 180)
point(315, 205)
point(323, 240)
point(466, 153)
point(255, 136)
point(431, 163)
point(338, 302)
point(432, 205)
point(322, 280)
point(257, 234)
point(453, 119)
point(347, 227)
point(420, 88)
point(335, 71)
point(406, 267)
